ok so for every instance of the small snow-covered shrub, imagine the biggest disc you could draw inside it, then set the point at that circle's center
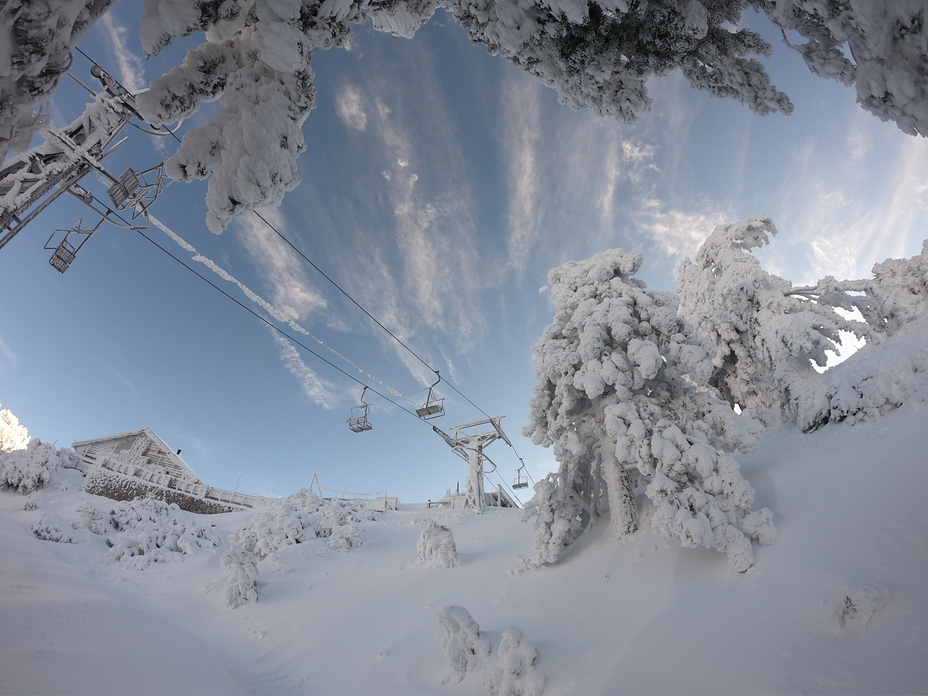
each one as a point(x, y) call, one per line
point(154, 529)
point(858, 607)
point(515, 671)
point(242, 586)
point(346, 536)
point(436, 548)
point(27, 470)
point(462, 644)
point(51, 527)
point(302, 517)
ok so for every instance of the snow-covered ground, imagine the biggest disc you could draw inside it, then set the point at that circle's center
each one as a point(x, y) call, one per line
point(837, 605)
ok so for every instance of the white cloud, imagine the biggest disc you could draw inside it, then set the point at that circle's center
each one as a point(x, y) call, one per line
point(349, 105)
point(131, 66)
point(521, 135)
point(282, 270)
point(318, 390)
point(8, 355)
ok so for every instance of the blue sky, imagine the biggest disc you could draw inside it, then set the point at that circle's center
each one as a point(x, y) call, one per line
point(439, 186)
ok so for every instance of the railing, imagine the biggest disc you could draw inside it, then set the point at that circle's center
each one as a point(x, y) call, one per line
point(95, 455)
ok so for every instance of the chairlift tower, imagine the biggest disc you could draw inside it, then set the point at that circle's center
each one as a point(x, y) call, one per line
point(469, 446)
point(33, 180)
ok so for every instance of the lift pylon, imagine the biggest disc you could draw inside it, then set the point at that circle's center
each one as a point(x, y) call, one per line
point(469, 446)
point(33, 180)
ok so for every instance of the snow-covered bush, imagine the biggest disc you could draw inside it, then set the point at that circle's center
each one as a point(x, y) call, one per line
point(768, 334)
point(436, 548)
point(51, 527)
point(462, 644)
point(27, 470)
point(615, 396)
point(242, 586)
point(301, 517)
point(13, 435)
point(515, 671)
point(154, 529)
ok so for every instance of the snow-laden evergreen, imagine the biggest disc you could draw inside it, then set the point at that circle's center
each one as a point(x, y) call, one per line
point(27, 470)
point(36, 40)
point(615, 397)
point(13, 435)
point(464, 647)
point(257, 54)
point(436, 548)
point(515, 671)
point(878, 47)
point(768, 336)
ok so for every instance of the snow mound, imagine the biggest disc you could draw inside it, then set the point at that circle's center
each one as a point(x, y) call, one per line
point(858, 607)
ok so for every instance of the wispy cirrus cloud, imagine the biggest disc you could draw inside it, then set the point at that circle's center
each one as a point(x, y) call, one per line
point(845, 212)
point(131, 66)
point(349, 105)
point(280, 268)
point(315, 388)
point(521, 135)
point(9, 357)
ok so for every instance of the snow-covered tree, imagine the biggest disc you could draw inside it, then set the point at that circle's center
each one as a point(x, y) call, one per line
point(600, 54)
point(27, 470)
point(768, 334)
point(515, 671)
point(893, 301)
point(242, 586)
point(615, 396)
point(34, 53)
point(596, 53)
point(436, 548)
point(465, 648)
point(879, 47)
point(13, 435)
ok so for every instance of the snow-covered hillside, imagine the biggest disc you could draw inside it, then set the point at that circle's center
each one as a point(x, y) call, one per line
point(837, 605)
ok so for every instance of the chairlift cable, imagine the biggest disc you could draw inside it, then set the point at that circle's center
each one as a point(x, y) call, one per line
point(274, 326)
point(173, 133)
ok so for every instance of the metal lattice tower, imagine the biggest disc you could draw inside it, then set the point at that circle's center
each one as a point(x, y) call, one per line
point(33, 180)
point(469, 446)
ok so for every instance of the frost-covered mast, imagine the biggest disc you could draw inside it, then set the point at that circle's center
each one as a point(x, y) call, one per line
point(469, 447)
point(33, 180)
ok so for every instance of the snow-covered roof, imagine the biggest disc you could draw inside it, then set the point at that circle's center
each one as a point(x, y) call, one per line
point(162, 456)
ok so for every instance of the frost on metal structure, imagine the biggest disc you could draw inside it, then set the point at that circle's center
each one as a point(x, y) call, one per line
point(33, 180)
point(469, 447)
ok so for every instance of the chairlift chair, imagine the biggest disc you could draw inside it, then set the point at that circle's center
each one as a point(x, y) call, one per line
point(432, 408)
point(358, 422)
point(519, 482)
point(133, 192)
point(65, 251)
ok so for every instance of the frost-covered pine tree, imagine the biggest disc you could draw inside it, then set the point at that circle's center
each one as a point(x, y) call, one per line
point(893, 301)
point(600, 54)
point(879, 47)
point(768, 334)
point(13, 435)
point(615, 397)
point(36, 52)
